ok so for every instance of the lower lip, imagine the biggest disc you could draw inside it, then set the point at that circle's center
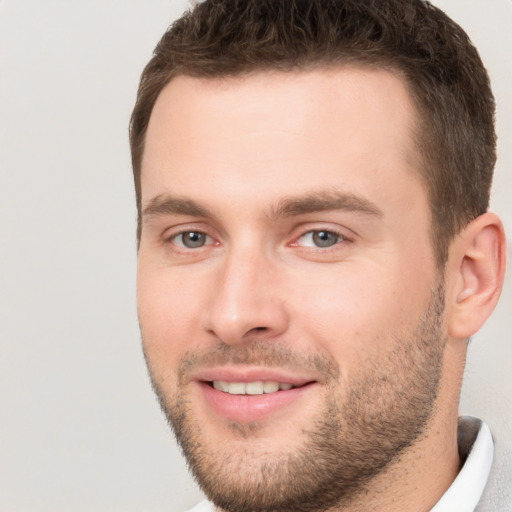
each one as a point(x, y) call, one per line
point(251, 408)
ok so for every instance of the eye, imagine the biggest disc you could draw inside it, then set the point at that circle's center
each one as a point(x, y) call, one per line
point(320, 238)
point(191, 239)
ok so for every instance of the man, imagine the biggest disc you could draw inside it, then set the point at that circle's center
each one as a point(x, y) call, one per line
point(315, 251)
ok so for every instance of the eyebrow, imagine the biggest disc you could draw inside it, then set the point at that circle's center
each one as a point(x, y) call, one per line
point(324, 201)
point(287, 207)
point(171, 205)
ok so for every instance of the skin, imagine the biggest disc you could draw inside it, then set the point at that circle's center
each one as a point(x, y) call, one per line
point(362, 319)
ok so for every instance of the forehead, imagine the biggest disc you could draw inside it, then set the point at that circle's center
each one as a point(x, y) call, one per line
point(348, 125)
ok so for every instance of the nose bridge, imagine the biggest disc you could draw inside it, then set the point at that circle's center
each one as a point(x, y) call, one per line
point(245, 297)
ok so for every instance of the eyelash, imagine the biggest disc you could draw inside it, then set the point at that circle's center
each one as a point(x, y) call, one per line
point(340, 238)
point(173, 239)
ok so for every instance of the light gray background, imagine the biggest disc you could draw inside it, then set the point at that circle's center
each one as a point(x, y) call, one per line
point(79, 427)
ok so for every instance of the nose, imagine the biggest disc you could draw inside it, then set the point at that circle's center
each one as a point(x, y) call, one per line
point(246, 299)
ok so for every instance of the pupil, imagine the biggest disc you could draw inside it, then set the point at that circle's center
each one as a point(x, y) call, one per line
point(324, 238)
point(193, 239)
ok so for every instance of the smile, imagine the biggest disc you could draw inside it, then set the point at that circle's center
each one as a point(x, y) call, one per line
point(251, 388)
point(247, 401)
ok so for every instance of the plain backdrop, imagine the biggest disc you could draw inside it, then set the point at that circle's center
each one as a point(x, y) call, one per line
point(80, 429)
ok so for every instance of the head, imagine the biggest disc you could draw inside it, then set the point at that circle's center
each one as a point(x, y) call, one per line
point(448, 83)
point(312, 180)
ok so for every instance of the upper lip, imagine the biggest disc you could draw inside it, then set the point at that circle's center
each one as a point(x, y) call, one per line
point(252, 374)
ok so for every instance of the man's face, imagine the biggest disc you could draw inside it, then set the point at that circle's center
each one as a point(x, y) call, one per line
point(288, 298)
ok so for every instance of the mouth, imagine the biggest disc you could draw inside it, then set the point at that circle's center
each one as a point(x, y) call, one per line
point(251, 388)
point(248, 401)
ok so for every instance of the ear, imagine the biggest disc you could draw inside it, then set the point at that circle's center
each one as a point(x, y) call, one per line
point(477, 266)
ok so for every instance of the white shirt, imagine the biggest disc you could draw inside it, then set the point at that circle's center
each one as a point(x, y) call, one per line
point(466, 490)
point(477, 446)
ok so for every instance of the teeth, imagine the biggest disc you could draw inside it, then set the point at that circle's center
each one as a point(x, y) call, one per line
point(254, 388)
point(221, 385)
point(270, 387)
point(236, 388)
point(250, 388)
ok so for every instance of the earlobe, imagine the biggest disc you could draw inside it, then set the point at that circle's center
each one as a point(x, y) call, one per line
point(478, 259)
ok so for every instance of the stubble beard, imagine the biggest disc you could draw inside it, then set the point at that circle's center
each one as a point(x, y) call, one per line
point(357, 436)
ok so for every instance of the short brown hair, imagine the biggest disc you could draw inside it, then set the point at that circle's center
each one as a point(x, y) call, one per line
point(443, 71)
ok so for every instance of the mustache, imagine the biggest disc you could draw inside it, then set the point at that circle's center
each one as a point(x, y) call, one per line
point(258, 353)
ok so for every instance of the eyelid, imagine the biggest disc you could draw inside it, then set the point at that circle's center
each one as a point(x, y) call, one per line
point(169, 235)
point(347, 235)
point(175, 240)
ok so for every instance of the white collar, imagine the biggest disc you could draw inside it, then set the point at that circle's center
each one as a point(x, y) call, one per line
point(475, 442)
point(477, 447)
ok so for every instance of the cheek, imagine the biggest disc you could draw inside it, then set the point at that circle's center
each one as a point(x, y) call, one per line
point(355, 315)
